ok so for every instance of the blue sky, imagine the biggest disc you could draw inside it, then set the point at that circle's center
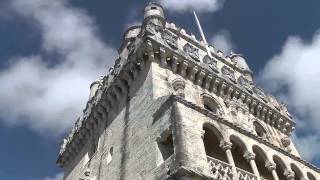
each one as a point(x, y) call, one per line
point(50, 51)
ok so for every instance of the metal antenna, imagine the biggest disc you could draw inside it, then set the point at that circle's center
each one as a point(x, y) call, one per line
point(202, 34)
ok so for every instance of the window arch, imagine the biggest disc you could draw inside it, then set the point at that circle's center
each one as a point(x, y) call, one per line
point(238, 151)
point(260, 130)
point(211, 140)
point(280, 167)
point(311, 176)
point(261, 160)
point(211, 104)
point(297, 172)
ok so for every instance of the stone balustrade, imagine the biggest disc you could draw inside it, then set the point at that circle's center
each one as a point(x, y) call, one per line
point(220, 169)
point(245, 175)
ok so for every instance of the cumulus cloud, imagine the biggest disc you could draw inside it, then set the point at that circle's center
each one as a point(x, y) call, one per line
point(192, 5)
point(222, 41)
point(47, 91)
point(294, 75)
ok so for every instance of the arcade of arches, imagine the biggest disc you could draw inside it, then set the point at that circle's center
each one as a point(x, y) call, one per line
point(232, 157)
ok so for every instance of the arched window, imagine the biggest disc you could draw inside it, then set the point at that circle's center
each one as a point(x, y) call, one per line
point(211, 140)
point(280, 167)
point(260, 130)
point(211, 104)
point(311, 176)
point(297, 172)
point(238, 150)
point(261, 159)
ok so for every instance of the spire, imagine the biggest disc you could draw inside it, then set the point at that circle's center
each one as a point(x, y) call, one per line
point(202, 34)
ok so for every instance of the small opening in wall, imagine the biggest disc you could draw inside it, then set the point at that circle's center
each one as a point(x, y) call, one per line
point(154, 8)
point(261, 132)
point(208, 107)
point(109, 155)
point(210, 104)
point(166, 147)
point(93, 148)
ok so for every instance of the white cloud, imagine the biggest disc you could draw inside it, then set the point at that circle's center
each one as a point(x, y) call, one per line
point(58, 176)
point(308, 146)
point(294, 74)
point(192, 5)
point(48, 94)
point(222, 41)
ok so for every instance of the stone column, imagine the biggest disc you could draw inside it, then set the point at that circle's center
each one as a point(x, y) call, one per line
point(272, 168)
point(179, 137)
point(226, 146)
point(190, 156)
point(249, 156)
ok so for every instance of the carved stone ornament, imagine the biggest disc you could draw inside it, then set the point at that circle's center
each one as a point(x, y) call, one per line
point(284, 109)
point(192, 51)
point(131, 47)
point(245, 83)
point(152, 28)
point(274, 102)
point(227, 72)
point(237, 105)
point(170, 38)
point(285, 141)
point(179, 85)
point(63, 146)
point(116, 67)
point(260, 93)
point(211, 63)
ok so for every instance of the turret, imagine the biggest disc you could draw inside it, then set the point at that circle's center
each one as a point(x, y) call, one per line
point(241, 63)
point(129, 36)
point(153, 13)
point(93, 88)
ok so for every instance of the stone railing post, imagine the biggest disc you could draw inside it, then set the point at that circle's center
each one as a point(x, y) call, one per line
point(249, 156)
point(226, 146)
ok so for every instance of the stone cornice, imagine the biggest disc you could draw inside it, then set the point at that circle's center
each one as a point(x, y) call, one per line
point(200, 74)
point(239, 129)
point(112, 89)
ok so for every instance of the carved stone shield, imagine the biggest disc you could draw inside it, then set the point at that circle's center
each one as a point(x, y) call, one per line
point(170, 38)
point(192, 51)
point(211, 63)
point(227, 72)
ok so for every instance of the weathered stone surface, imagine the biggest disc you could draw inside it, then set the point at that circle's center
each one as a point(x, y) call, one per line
point(167, 110)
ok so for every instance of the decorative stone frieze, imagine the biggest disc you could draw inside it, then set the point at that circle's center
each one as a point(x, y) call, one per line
point(199, 73)
point(192, 51)
point(170, 38)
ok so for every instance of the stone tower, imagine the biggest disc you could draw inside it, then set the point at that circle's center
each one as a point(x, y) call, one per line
point(168, 110)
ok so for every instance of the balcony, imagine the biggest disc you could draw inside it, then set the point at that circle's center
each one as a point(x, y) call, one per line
point(223, 171)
